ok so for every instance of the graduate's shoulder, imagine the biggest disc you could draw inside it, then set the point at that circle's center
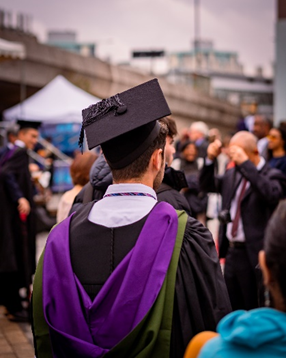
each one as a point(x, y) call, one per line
point(82, 211)
point(197, 235)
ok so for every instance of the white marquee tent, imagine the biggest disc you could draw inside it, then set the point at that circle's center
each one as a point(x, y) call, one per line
point(58, 102)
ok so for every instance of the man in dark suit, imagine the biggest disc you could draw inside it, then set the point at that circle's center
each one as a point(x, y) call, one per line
point(250, 192)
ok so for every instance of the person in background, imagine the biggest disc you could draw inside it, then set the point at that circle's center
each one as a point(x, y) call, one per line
point(261, 128)
point(79, 171)
point(247, 124)
point(49, 158)
point(100, 177)
point(225, 153)
point(190, 162)
point(241, 124)
point(214, 134)
point(250, 193)
point(183, 138)
point(190, 166)
point(223, 158)
point(17, 222)
point(12, 135)
point(198, 133)
point(261, 332)
point(277, 148)
point(174, 180)
point(214, 199)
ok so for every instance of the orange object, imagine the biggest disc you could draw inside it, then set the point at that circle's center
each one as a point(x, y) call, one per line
point(197, 342)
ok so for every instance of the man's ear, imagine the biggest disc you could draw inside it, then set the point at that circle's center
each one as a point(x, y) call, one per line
point(157, 159)
point(264, 268)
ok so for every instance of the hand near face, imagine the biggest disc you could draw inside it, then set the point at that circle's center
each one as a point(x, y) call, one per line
point(237, 154)
point(214, 149)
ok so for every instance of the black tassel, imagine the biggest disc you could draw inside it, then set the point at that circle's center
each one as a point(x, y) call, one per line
point(98, 110)
point(81, 138)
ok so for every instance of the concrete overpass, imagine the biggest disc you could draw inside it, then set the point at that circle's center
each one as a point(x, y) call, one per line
point(43, 63)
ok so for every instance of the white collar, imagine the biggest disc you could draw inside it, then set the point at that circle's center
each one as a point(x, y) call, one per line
point(116, 211)
point(20, 143)
point(261, 163)
point(130, 187)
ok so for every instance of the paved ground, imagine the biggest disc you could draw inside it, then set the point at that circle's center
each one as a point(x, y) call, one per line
point(16, 340)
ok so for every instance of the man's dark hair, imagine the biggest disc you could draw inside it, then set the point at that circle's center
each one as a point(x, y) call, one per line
point(12, 131)
point(275, 246)
point(266, 120)
point(139, 166)
point(269, 121)
point(171, 125)
point(25, 130)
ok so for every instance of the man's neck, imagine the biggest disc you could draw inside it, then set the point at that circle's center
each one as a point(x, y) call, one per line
point(135, 181)
point(145, 179)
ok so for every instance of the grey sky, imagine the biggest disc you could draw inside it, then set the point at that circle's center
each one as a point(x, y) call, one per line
point(244, 26)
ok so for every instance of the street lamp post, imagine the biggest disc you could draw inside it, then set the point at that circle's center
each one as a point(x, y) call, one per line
point(197, 32)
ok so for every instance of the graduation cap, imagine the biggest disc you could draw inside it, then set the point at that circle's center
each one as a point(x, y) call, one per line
point(28, 124)
point(125, 125)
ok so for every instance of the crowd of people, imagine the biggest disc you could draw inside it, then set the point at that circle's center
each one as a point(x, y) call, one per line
point(132, 268)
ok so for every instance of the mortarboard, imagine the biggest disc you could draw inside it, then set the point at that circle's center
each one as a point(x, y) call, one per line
point(126, 124)
point(28, 124)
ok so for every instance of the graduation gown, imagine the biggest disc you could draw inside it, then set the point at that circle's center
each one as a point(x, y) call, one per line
point(17, 239)
point(200, 296)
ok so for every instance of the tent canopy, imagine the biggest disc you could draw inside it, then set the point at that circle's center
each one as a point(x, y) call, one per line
point(58, 102)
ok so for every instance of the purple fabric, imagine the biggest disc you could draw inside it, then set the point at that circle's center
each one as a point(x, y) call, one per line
point(80, 327)
point(7, 155)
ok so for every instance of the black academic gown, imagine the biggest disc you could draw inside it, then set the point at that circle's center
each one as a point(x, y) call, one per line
point(17, 239)
point(201, 298)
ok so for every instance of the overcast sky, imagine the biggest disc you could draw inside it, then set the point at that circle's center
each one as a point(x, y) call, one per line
point(118, 26)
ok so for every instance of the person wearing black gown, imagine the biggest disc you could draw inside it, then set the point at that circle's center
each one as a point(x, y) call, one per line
point(95, 289)
point(17, 222)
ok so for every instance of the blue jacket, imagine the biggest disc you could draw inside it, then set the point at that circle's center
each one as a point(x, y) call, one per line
point(257, 333)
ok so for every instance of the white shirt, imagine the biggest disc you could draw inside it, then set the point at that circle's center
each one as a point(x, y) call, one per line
point(116, 211)
point(66, 202)
point(262, 144)
point(240, 232)
point(19, 143)
point(249, 122)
